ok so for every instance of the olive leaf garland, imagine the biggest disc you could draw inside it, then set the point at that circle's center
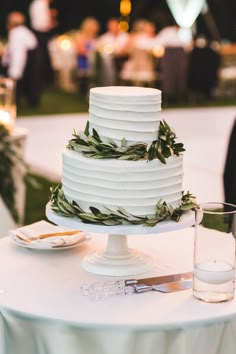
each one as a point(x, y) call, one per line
point(165, 145)
point(118, 216)
point(92, 146)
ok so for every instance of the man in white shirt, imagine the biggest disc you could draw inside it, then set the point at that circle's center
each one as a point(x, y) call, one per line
point(113, 39)
point(19, 57)
point(40, 16)
point(174, 64)
point(169, 37)
point(114, 43)
point(42, 22)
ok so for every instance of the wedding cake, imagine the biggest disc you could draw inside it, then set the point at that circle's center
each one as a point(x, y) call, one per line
point(124, 116)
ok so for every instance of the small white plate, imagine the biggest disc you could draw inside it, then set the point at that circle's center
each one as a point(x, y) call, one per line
point(45, 246)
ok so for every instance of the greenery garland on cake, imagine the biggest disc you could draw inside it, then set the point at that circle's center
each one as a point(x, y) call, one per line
point(92, 146)
point(119, 216)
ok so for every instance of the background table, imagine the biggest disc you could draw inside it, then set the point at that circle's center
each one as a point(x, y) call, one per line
point(43, 310)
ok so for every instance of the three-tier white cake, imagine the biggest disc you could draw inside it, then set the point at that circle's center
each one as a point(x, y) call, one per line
point(116, 113)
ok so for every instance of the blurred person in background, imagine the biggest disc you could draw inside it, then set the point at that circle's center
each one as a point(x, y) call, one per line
point(142, 35)
point(85, 43)
point(169, 36)
point(204, 63)
point(151, 30)
point(20, 58)
point(114, 42)
point(43, 22)
point(174, 63)
point(140, 67)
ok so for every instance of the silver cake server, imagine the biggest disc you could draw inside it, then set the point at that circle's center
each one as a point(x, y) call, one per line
point(160, 279)
point(165, 287)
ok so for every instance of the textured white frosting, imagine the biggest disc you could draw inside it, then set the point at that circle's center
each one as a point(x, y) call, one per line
point(118, 112)
point(133, 185)
point(132, 113)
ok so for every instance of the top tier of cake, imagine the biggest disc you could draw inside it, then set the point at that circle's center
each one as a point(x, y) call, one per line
point(118, 112)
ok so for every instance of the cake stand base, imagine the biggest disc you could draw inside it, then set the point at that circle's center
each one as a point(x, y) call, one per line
point(117, 259)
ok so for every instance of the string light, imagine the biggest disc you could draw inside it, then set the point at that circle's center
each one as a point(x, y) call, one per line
point(158, 51)
point(125, 10)
point(124, 26)
point(125, 7)
point(64, 42)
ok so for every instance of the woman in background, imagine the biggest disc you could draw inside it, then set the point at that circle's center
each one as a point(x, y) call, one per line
point(85, 46)
point(140, 68)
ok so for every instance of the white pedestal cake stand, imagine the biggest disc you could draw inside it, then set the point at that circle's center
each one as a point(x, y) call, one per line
point(117, 259)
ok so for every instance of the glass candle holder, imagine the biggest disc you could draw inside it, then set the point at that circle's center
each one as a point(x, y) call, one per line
point(7, 103)
point(214, 252)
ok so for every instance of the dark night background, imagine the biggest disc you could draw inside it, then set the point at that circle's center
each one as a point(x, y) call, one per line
point(71, 13)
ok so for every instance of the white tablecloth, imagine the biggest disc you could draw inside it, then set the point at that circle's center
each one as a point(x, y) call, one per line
point(44, 312)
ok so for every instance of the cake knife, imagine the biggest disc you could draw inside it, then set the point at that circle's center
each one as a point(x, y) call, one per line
point(160, 280)
point(169, 287)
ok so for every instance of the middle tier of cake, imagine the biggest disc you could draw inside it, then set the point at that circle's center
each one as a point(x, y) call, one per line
point(136, 186)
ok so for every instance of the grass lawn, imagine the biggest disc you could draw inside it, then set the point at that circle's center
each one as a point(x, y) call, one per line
point(37, 196)
point(54, 101)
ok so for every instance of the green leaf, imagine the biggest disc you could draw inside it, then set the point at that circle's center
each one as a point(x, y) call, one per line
point(89, 218)
point(112, 222)
point(96, 136)
point(86, 131)
point(160, 156)
point(94, 210)
point(123, 143)
point(151, 222)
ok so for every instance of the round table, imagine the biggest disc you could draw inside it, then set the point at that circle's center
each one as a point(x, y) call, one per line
point(43, 310)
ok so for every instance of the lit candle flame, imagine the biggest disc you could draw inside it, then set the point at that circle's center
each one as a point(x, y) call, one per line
point(5, 119)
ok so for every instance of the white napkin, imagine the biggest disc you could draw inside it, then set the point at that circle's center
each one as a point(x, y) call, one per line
point(44, 227)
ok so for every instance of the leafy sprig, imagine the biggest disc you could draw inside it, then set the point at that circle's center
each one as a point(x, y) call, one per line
point(119, 216)
point(10, 159)
point(11, 163)
point(165, 145)
point(92, 146)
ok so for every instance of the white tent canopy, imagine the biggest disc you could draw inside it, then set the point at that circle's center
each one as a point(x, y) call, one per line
point(185, 12)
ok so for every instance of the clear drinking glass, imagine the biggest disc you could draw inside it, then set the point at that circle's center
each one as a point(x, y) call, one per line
point(214, 252)
point(7, 102)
